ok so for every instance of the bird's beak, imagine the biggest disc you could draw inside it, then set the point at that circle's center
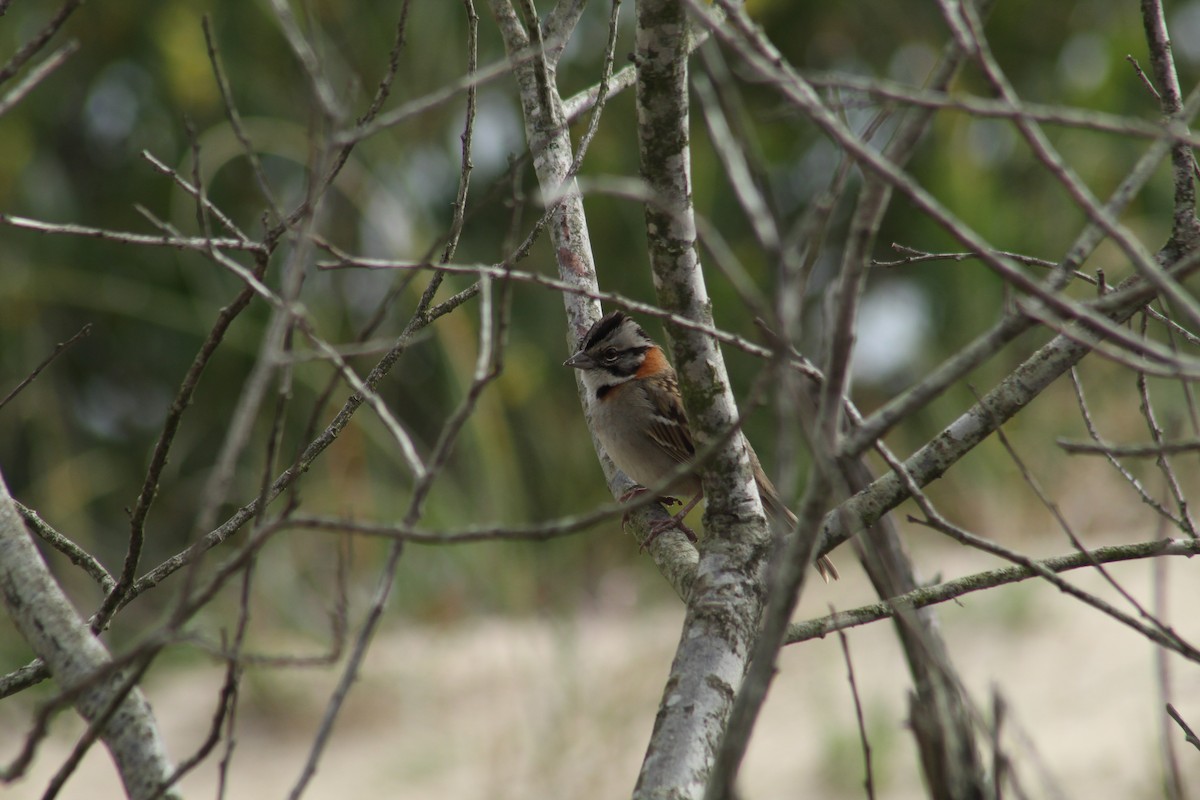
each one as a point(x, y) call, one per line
point(580, 360)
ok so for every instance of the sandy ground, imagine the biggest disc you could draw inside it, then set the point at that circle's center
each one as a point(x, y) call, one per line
point(542, 708)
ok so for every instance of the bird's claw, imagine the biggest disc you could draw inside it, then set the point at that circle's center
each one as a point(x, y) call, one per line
point(662, 526)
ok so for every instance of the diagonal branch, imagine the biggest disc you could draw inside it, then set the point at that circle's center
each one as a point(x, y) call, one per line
point(45, 617)
point(951, 590)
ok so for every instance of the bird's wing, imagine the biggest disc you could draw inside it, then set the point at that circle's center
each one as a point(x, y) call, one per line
point(669, 428)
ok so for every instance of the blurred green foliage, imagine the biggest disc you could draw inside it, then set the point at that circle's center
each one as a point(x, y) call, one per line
point(76, 443)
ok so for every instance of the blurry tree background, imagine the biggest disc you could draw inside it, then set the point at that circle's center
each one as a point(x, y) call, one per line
point(72, 153)
point(74, 444)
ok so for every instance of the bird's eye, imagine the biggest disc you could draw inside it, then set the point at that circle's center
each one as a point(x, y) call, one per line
point(609, 355)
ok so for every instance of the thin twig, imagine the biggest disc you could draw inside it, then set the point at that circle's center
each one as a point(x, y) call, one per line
point(327, 98)
point(38, 40)
point(868, 776)
point(950, 590)
point(1162, 670)
point(342, 153)
point(1065, 116)
point(226, 703)
point(235, 118)
point(1000, 762)
point(1130, 450)
point(36, 76)
point(436, 98)
point(1183, 160)
point(1146, 407)
point(59, 349)
point(78, 556)
point(1086, 415)
point(1064, 525)
point(166, 438)
point(1142, 76)
point(210, 208)
point(914, 256)
point(197, 243)
point(1188, 734)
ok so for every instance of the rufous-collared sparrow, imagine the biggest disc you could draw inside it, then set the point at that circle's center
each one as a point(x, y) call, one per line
point(638, 417)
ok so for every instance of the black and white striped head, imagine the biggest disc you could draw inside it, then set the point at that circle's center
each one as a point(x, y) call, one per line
point(612, 352)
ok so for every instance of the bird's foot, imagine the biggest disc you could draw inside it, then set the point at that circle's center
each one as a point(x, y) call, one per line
point(662, 526)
